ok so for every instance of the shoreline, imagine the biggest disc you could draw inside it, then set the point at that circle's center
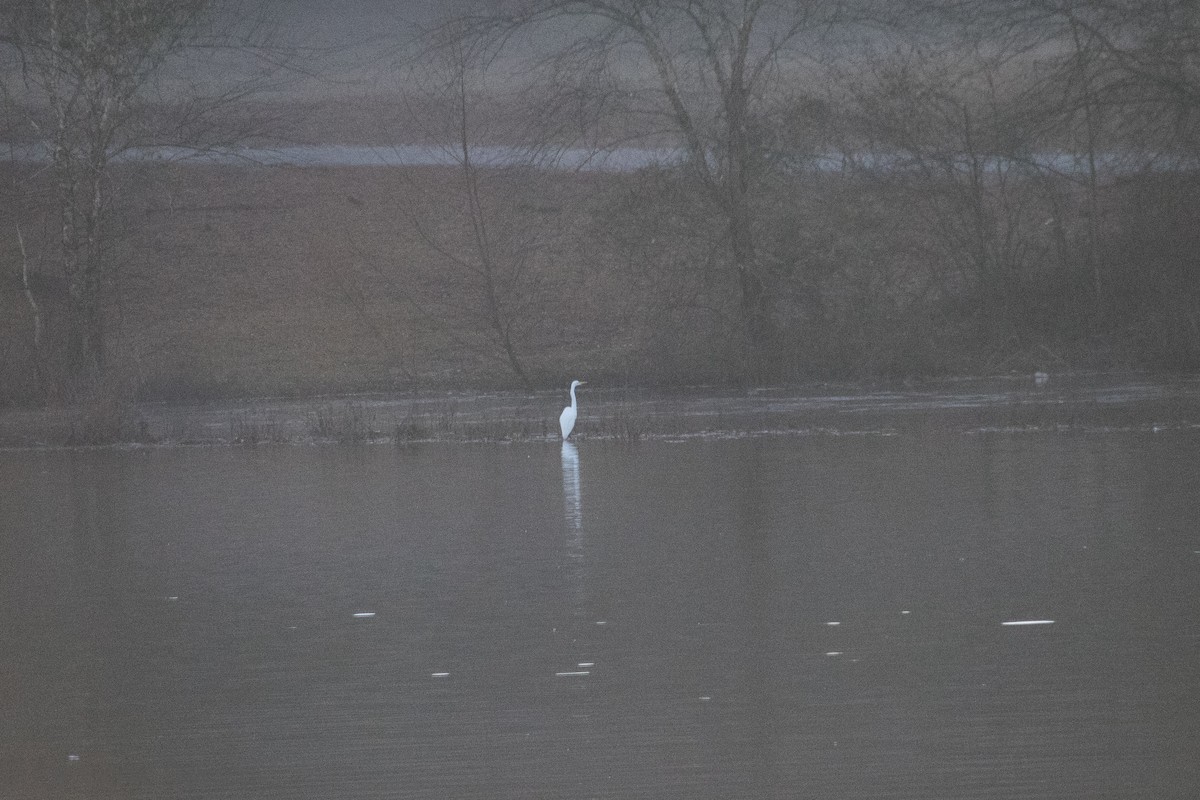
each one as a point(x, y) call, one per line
point(997, 405)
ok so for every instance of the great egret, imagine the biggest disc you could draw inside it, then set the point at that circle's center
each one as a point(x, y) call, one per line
point(566, 420)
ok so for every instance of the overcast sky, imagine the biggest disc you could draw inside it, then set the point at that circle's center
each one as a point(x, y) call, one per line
point(363, 40)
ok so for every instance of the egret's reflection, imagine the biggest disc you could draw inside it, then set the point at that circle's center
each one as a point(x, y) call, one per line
point(572, 502)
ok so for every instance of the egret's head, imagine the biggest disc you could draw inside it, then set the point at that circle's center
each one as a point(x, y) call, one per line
point(577, 383)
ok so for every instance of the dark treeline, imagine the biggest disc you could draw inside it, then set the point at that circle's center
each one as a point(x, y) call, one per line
point(1011, 188)
point(865, 190)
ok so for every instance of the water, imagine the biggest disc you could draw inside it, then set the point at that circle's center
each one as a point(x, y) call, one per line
point(768, 617)
point(611, 159)
point(617, 159)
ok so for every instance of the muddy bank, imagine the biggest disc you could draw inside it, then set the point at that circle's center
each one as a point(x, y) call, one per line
point(1068, 403)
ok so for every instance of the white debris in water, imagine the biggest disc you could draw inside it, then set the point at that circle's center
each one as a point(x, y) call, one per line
point(586, 664)
point(1029, 622)
point(834, 653)
point(705, 698)
point(905, 612)
point(833, 623)
point(173, 598)
point(601, 622)
point(364, 614)
point(72, 757)
point(439, 674)
point(573, 674)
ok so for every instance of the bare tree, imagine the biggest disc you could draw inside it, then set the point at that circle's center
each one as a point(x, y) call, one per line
point(1117, 89)
point(711, 69)
point(1137, 58)
point(948, 132)
point(91, 74)
point(485, 228)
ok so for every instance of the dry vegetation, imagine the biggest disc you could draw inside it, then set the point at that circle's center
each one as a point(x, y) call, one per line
point(250, 281)
point(943, 242)
point(244, 280)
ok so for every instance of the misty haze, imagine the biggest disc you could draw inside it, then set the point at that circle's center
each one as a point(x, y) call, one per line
point(613, 399)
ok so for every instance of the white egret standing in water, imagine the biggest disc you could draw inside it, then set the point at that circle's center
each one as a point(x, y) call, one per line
point(566, 420)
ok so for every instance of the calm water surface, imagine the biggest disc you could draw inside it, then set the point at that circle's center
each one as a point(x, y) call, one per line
point(774, 617)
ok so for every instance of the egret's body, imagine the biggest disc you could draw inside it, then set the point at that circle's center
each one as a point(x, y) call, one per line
point(566, 420)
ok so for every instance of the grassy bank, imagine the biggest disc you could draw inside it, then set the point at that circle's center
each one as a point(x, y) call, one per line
point(236, 282)
point(1071, 405)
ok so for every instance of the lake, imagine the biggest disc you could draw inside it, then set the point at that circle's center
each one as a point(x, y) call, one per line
point(599, 159)
point(755, 617)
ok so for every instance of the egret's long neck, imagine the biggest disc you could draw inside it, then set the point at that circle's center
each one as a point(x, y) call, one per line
point(572, 396)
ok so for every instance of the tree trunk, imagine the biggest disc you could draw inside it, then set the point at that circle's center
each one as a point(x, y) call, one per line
point(755, 301)
point(85, 340)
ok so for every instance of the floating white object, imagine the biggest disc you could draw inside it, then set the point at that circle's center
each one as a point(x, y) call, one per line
point(705, 698)
point(586, 664)
point(439, 675)
point(72, 757)
point(571, 674)
point(364, 614)
point(905, 612)
point(834, 653)
point(833, 623)
point(1029, 622)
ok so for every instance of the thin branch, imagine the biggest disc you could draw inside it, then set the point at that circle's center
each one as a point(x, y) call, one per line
point(33, 304)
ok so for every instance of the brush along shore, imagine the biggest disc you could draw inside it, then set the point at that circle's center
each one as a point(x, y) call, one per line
point(1014, 404)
